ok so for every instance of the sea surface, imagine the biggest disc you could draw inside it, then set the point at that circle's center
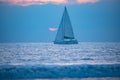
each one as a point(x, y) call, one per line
point(38, 61)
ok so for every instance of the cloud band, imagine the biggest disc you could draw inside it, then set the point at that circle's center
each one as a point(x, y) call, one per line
point(31, 2)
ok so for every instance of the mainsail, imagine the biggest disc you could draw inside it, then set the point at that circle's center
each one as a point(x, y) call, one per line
point(65, 30)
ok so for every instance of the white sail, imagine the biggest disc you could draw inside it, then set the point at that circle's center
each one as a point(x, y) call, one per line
point(65, 30)
point(60, 33)
point(68, 31)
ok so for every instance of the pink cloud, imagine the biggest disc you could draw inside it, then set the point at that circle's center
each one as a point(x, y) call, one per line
point(31, 2)
point(87, 1)
point(52, 29)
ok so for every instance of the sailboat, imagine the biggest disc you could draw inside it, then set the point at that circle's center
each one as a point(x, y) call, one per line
point(65, 33)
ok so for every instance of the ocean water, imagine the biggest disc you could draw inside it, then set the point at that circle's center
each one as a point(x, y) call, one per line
point(89, 60)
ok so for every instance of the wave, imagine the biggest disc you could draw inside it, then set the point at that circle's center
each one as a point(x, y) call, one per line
point(59, 71)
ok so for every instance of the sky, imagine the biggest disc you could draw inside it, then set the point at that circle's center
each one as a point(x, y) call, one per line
point(38, 20)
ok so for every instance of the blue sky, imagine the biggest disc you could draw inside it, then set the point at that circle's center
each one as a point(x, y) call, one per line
point(92, 21)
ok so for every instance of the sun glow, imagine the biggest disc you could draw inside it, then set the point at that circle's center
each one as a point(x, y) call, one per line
point(52, 29)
